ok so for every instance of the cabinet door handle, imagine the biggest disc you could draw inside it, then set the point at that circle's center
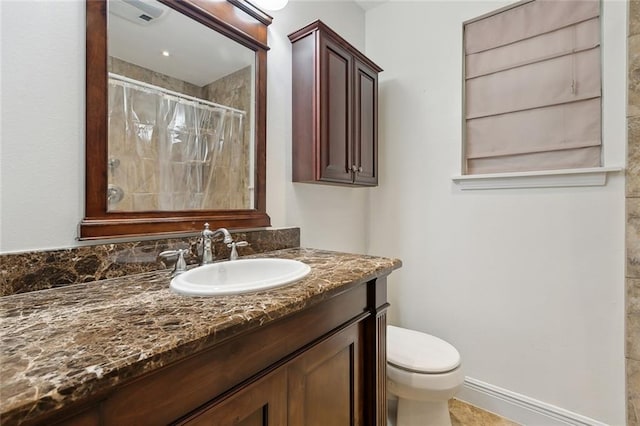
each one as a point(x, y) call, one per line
point(360, 169)
point(354, 168)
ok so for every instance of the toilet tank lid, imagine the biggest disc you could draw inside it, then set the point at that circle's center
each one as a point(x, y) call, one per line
point(420, 352)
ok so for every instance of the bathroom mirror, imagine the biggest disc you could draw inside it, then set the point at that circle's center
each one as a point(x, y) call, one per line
point(176, 116)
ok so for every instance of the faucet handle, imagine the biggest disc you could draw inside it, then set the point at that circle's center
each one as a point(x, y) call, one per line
point(180, 265)
point(234, 252)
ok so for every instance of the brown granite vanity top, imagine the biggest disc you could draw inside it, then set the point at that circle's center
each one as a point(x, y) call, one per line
point(62, 345)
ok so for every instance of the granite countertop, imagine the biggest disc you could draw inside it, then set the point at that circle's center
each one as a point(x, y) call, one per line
point(62, 345)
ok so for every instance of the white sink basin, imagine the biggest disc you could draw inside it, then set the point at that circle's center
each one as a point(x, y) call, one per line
point(239, 276)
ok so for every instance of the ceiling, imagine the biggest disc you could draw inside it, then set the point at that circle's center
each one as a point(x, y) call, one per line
point(197, 54)
point(369, 4)
point(192, 49)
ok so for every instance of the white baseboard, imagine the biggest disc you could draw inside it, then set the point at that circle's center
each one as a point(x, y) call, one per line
point(519, 408)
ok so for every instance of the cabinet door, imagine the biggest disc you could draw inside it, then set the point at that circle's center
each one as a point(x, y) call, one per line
point(366, 124)
point(335, 118)
point(325, 382)
point(263, 403)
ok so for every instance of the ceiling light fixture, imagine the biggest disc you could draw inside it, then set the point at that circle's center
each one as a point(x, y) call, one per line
point(270, 4)
point(165, 53)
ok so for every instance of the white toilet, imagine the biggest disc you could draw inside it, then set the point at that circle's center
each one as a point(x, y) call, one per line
point(423, 373)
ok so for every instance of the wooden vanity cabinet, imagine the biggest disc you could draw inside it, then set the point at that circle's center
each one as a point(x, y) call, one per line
point(262, 403)
point(325, 365)
point(325, 383)
point(323, 386)
point(335, 109)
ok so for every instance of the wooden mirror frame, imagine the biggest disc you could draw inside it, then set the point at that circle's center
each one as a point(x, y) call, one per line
point(236, 19)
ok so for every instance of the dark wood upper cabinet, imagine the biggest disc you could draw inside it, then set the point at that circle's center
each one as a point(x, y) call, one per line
point(335, 110)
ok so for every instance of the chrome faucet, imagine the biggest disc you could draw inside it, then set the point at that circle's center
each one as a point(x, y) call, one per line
point(207, 240)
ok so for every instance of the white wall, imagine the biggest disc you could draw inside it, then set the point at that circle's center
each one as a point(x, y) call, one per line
point(330, 217)
point(42, 162)
point(527, 284)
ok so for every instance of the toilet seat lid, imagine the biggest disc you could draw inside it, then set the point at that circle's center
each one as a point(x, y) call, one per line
point(420, 352)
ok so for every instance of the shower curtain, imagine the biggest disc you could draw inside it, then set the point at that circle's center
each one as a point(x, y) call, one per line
point(174, 153)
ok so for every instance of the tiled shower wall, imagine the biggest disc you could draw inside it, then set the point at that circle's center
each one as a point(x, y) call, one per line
point(234, 90)
point(632, 350)
point(228, 181)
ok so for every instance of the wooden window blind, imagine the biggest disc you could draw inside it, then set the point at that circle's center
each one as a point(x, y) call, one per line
point(533, 88)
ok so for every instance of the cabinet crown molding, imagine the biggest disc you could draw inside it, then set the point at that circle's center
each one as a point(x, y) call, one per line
point(318, 25)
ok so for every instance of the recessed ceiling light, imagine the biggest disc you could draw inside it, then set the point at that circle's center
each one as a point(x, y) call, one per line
point(165, 53)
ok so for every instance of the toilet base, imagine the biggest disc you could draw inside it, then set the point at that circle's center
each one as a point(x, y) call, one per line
point(422, 413)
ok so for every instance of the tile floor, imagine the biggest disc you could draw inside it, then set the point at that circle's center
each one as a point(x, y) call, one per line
point(462, 414)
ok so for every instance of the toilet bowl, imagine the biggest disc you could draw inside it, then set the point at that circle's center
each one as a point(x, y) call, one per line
point(423, 373)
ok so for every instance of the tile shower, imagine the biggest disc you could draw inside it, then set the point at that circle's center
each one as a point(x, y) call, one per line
point(170, 146)
point(632, 350)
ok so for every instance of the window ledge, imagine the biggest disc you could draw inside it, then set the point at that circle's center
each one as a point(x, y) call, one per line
point(596, 176)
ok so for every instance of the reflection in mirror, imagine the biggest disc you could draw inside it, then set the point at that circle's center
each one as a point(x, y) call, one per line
point(180, 113)
point(152, 179)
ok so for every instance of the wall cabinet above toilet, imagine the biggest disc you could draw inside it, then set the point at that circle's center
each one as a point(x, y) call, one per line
point(335, 110)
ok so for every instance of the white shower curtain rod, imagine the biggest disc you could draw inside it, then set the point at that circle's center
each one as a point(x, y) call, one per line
point(164, 91)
